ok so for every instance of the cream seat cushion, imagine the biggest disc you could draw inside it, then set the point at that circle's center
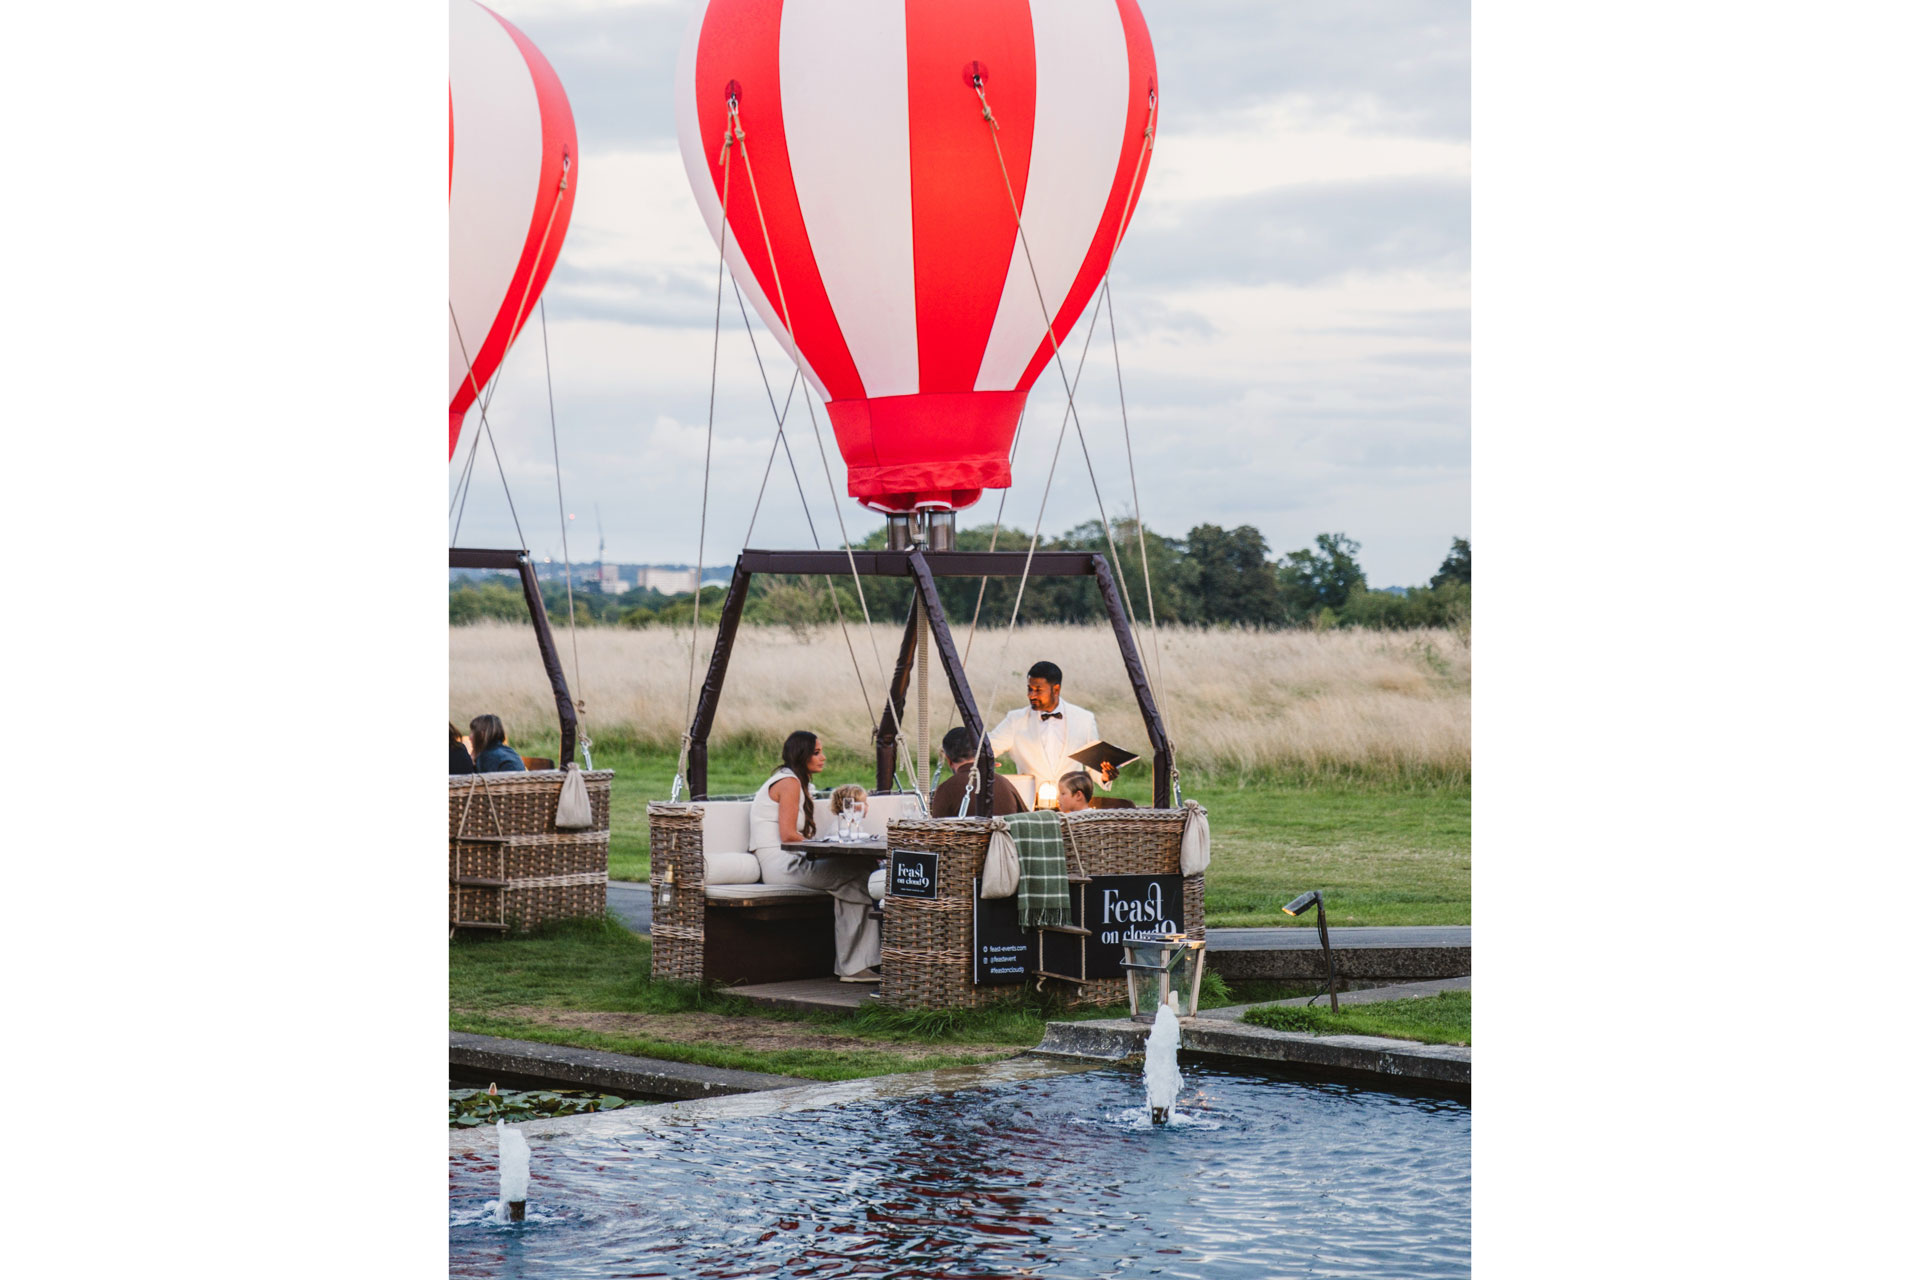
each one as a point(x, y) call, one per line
point(732, 868)
point(882, 809)
point(723, 840)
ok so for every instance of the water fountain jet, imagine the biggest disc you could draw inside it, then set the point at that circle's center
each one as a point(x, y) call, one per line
point(516, 1163)
point(1163, 1064)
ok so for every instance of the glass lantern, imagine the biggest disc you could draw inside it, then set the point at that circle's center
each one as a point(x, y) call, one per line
point(1163, 968)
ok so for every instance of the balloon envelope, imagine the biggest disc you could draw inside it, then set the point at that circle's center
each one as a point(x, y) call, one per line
point(894, 244)
point(513, 167)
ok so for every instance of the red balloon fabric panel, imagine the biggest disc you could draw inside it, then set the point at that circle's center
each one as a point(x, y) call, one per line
point(513, 169)
point(894, 244)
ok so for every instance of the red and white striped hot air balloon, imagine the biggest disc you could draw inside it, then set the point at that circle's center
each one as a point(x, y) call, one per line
point(896, 277)
point(513, 167)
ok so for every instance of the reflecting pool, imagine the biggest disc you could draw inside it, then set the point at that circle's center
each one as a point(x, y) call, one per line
point(1063, 1175)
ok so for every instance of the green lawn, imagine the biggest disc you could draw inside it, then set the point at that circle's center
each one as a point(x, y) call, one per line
point(1443, 1019)
point(523, 987)
point(1385, 853)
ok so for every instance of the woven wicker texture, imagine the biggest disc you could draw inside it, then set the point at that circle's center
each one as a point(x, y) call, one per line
point(1131, 842)
point(500, 832)
point(679, 932)
point(926, 944)
point(926, 950)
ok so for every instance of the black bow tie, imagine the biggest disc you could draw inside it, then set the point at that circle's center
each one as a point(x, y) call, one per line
point(1053, 715)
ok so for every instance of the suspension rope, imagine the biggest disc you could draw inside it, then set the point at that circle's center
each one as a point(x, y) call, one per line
point(486, 429)
point(1140, 528)
point(460, 488)
point(995, 539)
point(806, 394)
point(780, 413)
point(1071, 385)
point(993, 542)
point(706, 475)
point(780, 443)
point(513, 331)
point(1046, 312)
point(566, 552)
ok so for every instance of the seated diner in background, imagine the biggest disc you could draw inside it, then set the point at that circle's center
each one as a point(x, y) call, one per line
point(960, 747)
point(1076, 793)
point(491, 754)
point(783, 813)
point(458, 761)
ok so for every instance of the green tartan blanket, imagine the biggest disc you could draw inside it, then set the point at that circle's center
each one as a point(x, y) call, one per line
point(1043, 868)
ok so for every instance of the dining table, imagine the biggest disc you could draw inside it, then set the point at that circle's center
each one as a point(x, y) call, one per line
point(873, 847)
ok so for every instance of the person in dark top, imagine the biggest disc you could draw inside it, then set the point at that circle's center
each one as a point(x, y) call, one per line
point(960, 747)
point(458, 761)
point(491, 754)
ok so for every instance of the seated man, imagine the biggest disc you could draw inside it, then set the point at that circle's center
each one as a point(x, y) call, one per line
point(1076, 793)
point(960, 747)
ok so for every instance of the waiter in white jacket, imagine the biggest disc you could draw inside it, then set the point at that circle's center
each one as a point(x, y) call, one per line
point(1039, 737)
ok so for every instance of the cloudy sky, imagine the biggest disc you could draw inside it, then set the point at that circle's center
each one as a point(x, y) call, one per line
point(1292, 303)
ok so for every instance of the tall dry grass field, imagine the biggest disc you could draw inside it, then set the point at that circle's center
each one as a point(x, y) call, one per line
point(1368, 703)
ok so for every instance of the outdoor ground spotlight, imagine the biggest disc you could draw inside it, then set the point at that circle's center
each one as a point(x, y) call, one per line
point(1163, 968)
point(1294, 908)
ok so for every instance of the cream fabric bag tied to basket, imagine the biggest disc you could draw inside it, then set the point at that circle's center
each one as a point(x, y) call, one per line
point(1196, 841)
point(1000, 873)
point(575, 810)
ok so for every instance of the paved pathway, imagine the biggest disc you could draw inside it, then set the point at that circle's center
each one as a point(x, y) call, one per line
point(1308, 939)
point(1365, 995)
point(632, 901)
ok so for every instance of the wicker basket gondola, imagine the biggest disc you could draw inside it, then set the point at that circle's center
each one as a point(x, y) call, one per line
point(926, 955)
point(1131, 842)
point(926, 948)
point(508, 866)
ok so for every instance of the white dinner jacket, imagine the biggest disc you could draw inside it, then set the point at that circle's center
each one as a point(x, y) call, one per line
point(1041, 750)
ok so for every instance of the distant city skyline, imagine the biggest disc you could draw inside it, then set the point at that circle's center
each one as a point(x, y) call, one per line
point(1292, 304)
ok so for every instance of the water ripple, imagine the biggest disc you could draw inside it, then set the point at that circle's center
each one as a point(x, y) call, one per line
point(1061, 1177)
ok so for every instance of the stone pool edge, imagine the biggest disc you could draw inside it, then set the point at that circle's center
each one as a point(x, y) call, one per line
point(799, 1095)
point(573, 1068)
point(1110, 1040)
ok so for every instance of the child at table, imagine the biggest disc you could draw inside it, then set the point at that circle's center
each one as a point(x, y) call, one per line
point(849, 804)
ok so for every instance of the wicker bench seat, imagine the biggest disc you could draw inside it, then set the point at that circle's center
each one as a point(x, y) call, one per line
point(749, 895)
point(725, 926)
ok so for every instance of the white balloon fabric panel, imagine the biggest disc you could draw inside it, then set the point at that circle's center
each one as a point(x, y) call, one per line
point(512, 175)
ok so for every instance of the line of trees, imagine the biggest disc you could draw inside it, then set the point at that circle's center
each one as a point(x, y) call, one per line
point(1213, 576)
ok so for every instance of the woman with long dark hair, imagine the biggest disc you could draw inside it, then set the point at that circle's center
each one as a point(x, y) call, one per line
point(783, 811)
point(459, 760)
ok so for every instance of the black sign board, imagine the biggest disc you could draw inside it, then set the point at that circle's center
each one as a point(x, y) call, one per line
point(1116, 908)
point(1123, 907)
point(914, 874)
point(1003, 952)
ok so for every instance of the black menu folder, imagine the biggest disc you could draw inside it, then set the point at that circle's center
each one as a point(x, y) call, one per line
point(1095, 754)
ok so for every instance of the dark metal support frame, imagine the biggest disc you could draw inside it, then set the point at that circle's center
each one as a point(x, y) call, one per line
point(520, 562)
point(923, 567)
